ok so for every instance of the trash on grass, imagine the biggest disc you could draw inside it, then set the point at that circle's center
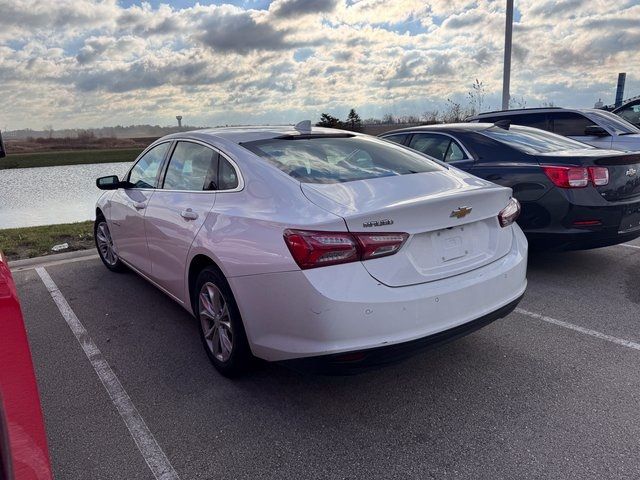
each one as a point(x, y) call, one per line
point(62, 246)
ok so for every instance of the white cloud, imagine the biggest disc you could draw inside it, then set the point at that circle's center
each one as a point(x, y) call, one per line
point(89, 63)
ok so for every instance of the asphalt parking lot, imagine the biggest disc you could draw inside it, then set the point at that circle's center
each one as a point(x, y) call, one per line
point(551, 391)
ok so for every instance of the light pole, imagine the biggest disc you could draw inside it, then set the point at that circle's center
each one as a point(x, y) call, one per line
point(506, 77)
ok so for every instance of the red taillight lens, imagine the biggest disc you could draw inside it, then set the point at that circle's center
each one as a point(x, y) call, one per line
point(510, 213)
point(311, 249)
point(576, 177)
point(376, 245)
point(599, 176)
point(567, 177)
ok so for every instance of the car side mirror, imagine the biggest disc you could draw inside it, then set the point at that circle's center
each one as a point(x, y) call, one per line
point(3, 152)
point(596, 131)
point(110, 182)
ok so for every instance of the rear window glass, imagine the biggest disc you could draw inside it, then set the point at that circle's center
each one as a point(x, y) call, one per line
point(339, 159)
point(533, 140)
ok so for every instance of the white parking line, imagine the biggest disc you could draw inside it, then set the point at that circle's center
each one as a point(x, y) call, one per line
point(586, 331)
point(629, 246)
point(142, 436)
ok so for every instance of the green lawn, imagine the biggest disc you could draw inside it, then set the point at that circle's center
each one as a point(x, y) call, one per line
point(28, 242)
point(74, 157)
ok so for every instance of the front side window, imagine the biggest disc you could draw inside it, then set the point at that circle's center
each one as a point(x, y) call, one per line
point(192, 167)
point(532, 140)
point(145, 171)
point(569, 123)
point(329, 159)
point(613, 122)
point(631, 114)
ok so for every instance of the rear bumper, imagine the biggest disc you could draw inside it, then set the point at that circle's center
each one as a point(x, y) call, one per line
point(618, 223)
point(355, 362)
point(339, 309)
point(579, 239)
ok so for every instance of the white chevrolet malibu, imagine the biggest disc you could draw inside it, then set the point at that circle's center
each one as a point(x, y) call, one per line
point(315, 246)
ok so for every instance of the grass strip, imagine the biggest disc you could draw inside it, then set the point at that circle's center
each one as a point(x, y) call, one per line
point(29, 242)
point(76, 157)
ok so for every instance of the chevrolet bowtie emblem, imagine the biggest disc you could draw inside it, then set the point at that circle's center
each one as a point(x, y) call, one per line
point(461, 212)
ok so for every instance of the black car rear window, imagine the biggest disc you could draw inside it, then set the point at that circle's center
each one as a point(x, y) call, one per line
point(533, 140)
point(325, 159)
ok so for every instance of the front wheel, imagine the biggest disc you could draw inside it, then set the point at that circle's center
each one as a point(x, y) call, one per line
point(221, 328)
point(104, 244)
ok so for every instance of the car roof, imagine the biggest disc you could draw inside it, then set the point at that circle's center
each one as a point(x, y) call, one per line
point(522, 111)
point(250, 133)
point(451, 127)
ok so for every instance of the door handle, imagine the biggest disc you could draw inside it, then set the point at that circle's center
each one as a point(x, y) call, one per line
point(139, 205)
point(188, 214)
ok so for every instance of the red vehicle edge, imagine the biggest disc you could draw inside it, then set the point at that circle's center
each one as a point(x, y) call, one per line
point(23, 443)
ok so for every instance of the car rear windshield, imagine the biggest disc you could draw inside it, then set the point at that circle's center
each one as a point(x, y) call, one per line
point(533, 140)
point(339, 159)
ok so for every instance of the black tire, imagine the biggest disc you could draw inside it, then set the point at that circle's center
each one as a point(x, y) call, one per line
point(240, 357)
point(116, 266)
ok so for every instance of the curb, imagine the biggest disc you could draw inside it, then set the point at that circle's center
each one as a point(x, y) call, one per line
point(28, 263)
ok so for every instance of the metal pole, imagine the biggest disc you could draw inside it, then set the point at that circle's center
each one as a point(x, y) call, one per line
point(506, 78)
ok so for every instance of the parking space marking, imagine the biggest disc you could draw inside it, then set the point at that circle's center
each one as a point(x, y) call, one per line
point(586, 331)
point(142, 436)
point(52, 263)
point(629, 246)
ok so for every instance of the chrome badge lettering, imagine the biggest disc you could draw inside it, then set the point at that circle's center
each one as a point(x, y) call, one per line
point(378, 223)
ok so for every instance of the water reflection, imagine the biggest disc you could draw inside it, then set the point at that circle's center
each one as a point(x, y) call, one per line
point(47, 195)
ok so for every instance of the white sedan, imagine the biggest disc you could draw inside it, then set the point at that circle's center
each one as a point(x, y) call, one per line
point(329, 248)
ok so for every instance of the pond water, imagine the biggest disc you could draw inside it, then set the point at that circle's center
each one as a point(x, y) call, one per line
point(48, 195)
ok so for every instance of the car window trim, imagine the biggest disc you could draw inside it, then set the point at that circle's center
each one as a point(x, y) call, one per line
point(215, 149)
point(162, 164)
point(468, 156)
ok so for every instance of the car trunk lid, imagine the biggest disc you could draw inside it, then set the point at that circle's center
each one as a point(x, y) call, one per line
point(451, 217)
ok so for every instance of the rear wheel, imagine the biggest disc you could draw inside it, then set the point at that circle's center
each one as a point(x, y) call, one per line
point(221, 328)
point(104, 244)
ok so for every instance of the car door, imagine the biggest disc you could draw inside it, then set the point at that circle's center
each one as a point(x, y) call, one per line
point(178, 210)
point(442, 147)
point(128, 207)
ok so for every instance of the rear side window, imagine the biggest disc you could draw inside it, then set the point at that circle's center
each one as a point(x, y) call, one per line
point(192, 167)
point(227, 176)
point(435, 146)
point(325, 159)
point(398, 138)
point(145, 172)
point(569, 123)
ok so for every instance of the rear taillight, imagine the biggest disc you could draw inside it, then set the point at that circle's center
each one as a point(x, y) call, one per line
point(599, 176)
point(576, 177)
point(311, 249)
point(510, 213)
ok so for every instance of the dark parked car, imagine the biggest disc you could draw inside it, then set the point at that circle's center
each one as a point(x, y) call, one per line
point(573, 196)
point(630, 111)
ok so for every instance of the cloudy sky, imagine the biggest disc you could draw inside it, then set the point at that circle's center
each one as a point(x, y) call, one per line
point(90, 63)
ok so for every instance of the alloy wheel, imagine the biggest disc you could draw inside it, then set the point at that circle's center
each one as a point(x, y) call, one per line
point(215, 321)
point(105, 244)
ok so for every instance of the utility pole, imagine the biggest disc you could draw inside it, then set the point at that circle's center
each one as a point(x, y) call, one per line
point(506, 78)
